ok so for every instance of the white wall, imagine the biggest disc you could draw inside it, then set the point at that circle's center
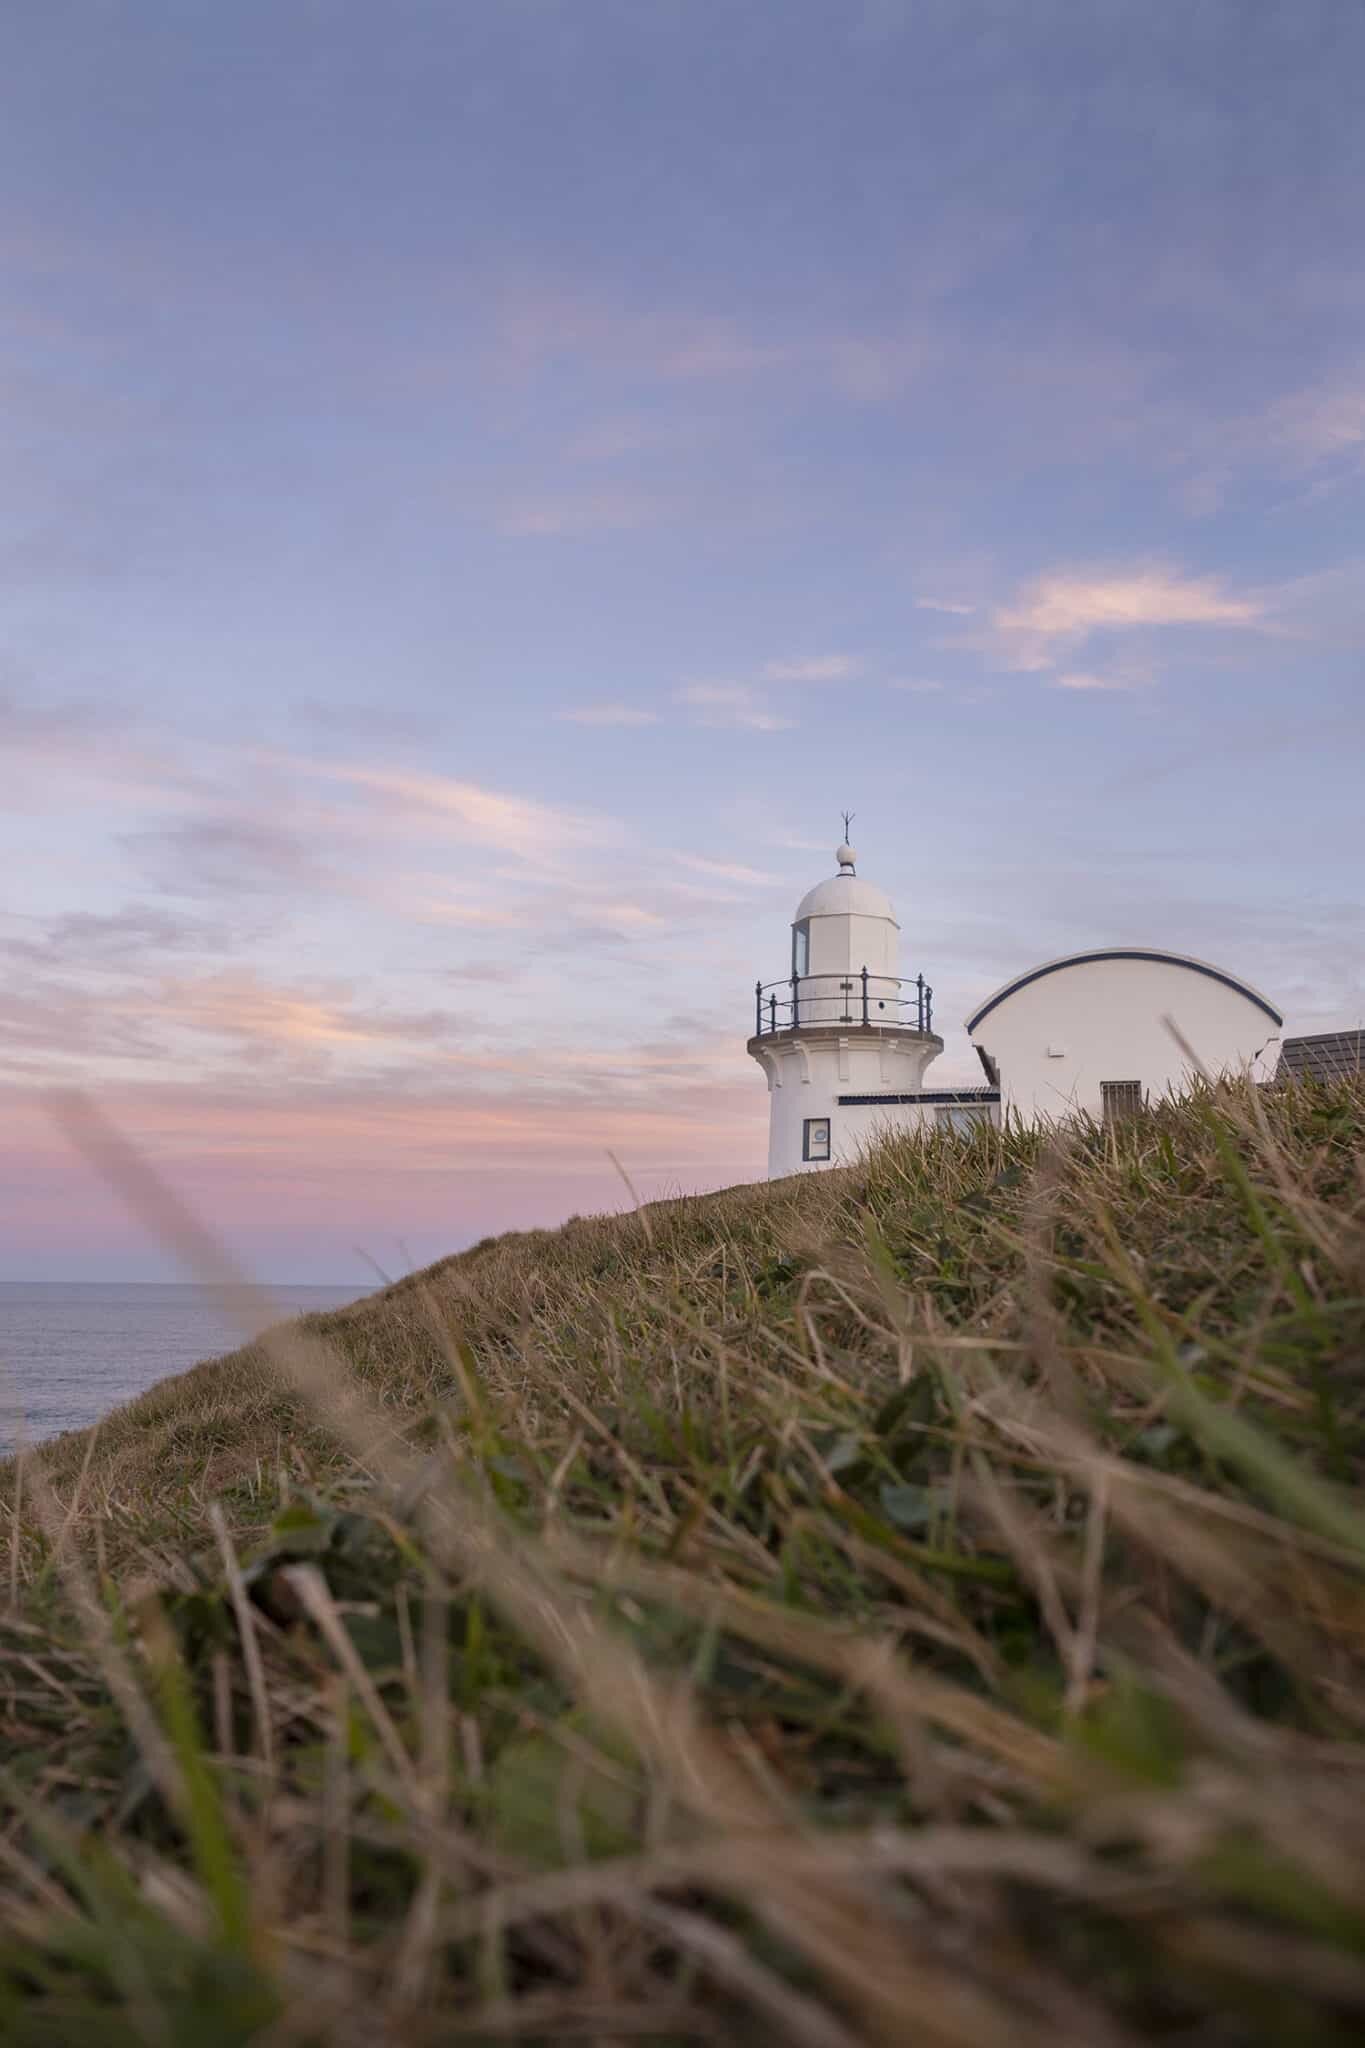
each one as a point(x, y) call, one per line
point(824, 999)
point(1058, 1037)
point(841, 945)
point(806, 1076)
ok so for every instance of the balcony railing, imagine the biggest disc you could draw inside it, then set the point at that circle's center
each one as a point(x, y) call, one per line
point(863, 999)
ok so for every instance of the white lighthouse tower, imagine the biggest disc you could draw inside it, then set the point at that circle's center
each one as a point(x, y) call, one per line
point(843, 1041)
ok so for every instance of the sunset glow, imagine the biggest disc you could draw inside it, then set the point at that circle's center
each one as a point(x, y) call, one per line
point(488, 486)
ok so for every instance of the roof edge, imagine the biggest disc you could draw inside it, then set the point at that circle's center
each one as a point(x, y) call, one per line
point(1243, 988)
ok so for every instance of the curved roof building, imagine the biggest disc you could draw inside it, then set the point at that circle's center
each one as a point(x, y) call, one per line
point(1106, 1030)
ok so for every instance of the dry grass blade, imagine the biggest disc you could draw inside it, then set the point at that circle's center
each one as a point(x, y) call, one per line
point(248, 1635)
point(318, 1604)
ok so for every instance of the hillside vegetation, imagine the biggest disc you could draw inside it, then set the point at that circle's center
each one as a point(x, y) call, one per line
point(918, 1603)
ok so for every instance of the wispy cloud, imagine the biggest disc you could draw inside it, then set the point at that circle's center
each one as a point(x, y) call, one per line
point(539, 324)
point(493, 973)
point(488, 817)
point(1311, 439)
point(88, 745)
point(619, 916)
point(113, 940)
point(718, 348)
point(944, 604)
point(578, 514)
point(431, 906)
point(731, 704)
point(725, 870)
point(37, 728)
point(382, 721)
point(1059, 607)
point(1086, 679)
point(815, 668)
point(1326, 606)
point(608, 714)
point(225, 1019)
point(874, 368)
point(1324, 420)
point(225, 854)
point(615, 438)
point(240, 1004)
point(1062, 610)
point(796, 842)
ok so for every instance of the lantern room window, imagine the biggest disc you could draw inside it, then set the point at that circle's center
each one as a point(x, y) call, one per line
point(801, 948)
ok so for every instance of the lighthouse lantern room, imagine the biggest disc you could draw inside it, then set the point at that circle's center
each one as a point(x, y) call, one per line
point(843, 1040)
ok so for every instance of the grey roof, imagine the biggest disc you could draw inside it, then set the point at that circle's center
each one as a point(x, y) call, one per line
point(1329, 1056)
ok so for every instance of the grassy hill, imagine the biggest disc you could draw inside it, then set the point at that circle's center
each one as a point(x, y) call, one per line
point(924, 1603)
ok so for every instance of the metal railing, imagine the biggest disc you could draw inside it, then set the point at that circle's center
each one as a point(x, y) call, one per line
point(864, 999)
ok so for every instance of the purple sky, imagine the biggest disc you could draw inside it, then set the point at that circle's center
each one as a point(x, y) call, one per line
point(484, 485)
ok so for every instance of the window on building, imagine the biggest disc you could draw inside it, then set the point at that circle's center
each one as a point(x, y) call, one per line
point(801, 947)
point(815, 1138)
point(962, 1116)
point(1120, 1099)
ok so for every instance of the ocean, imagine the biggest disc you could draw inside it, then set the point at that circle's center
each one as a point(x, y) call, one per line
point(69, 1353)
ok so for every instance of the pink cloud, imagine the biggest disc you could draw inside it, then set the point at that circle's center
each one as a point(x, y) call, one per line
point(731, 704)
point(815, 668)
point(725, 870)
point(1086, 679)
point(1061, 611)
point(1325, 421)
point(572, 514)
point(1062, 606)
point(608, 714)
point(718, 349)
point(495, 818)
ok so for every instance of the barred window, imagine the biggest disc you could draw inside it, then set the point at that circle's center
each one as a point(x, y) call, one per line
point(1120, 1098)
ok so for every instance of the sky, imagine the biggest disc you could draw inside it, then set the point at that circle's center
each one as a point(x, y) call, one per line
point(484, 486)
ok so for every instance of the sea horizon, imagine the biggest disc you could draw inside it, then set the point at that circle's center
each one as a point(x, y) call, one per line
point(72, 1350)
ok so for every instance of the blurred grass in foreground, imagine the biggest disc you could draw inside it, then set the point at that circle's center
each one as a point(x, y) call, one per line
point(923, 1602)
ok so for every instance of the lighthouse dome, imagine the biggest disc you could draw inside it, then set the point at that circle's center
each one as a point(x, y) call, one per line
point(845, 895)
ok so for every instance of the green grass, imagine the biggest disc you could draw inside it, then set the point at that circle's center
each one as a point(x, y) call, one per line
point(923, 1602)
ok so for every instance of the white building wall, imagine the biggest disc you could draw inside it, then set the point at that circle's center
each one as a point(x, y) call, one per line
point(807, 1075)
point(1076, 1024)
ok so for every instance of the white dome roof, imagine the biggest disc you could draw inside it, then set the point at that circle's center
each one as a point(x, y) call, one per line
point(845, 895)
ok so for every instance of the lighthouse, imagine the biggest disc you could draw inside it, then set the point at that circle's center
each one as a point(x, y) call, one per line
point(843, 1040)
